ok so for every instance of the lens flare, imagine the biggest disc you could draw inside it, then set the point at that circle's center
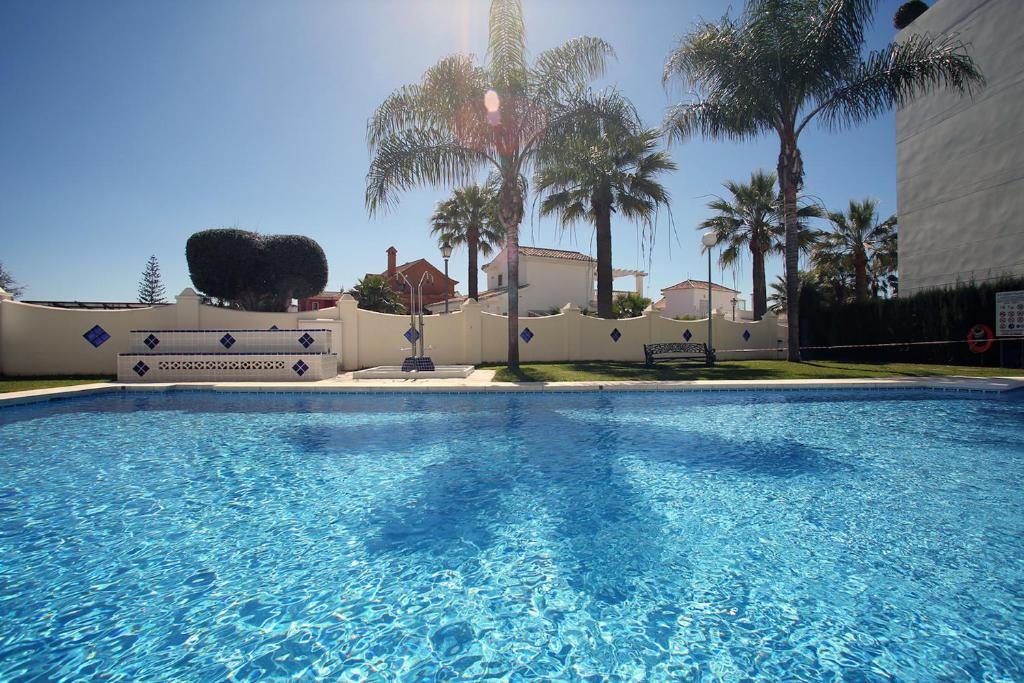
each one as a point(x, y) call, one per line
point(491, 101)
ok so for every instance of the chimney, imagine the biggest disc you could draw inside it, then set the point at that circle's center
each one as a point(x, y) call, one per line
point(392, 261)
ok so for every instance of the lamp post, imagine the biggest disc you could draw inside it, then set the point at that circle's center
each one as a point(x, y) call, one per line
point(734, 300)
point(709, 239)
point(446, 253)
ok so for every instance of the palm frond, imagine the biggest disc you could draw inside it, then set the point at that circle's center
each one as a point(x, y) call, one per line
point(896, 74)
point(570, 67)
point(414, 158)
point(449, 98)
point(506, 47)
point(716, 117)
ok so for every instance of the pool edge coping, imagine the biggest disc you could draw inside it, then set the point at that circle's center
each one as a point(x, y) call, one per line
point(994, 385)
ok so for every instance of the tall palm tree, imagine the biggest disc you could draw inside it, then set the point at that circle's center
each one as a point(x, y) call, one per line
point(463, 118)
point(469, 217)
point(856, 236)
point(752, 220)
point(786, 63)
point(598, 172)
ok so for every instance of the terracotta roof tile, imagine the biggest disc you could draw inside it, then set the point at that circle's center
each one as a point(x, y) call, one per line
point(699, 284)
point(556, 253)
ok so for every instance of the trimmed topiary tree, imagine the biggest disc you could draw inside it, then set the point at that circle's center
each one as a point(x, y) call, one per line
point(255, 272)
point(907, 13)
point(297, 265)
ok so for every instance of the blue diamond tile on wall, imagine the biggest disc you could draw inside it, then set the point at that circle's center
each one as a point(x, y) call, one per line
point(526, 335)
point(687, 335)
point(746, 335)
point(141, 368)
point(616, 335)
point(273, 327)
point(227, 341)
point(300, 368)
point(96, 336)
point(151, 341)
point(306, 340)
point(412, 334)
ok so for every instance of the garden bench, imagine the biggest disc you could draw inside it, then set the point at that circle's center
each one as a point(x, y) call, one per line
point(685, 351)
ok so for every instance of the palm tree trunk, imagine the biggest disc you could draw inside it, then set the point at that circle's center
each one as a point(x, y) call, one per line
point(790, 173)
point(760, 286)
point(603, 224)
point(510, 208)
point(860, 270)
point(473, 242)
point(512, 252)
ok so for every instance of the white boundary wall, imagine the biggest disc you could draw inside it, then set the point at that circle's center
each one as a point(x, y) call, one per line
point(39, 340)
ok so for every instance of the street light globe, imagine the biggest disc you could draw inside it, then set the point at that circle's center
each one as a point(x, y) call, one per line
point(709, 239)
point(446, 250)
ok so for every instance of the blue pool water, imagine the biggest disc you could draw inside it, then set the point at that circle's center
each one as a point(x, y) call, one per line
point(628, 537)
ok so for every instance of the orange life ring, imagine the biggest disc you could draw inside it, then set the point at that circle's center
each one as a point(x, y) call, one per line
point(980, 338)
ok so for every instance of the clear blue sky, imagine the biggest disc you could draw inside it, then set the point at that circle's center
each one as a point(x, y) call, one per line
point(126, 126)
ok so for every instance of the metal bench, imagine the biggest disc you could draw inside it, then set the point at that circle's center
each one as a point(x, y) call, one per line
point(685, 351)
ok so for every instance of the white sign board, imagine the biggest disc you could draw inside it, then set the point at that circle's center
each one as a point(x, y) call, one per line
point(1010, 314)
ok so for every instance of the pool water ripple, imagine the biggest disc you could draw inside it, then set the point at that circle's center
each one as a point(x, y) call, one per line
point(621, 537)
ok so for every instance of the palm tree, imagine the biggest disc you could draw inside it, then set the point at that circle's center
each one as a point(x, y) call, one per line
point(832, 268)
point(777, 299)
point(596, 173)
point(752, 219)
point(375, 294)
point(469, 217)
point(856, 236)
point(786, 63)
point(463, 118)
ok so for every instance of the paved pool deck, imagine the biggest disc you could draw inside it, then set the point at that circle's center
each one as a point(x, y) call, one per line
point(482, 381)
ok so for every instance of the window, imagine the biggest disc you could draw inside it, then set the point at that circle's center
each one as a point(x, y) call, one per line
point(316, 306)
point(499, 279)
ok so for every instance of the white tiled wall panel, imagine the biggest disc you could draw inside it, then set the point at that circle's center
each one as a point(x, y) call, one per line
point(226, 367)
point(230, 341)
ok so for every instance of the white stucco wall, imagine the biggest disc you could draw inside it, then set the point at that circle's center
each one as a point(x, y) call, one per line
point(693, 302)
point(552, 283)
point(38, 340)
point(960, 160)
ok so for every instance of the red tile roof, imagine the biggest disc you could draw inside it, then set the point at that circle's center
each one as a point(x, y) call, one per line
point(556, 253)
point(699, 284)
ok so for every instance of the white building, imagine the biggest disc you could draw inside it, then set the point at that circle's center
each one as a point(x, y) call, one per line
point(548, 279)
point(689, 298)
point(960, 159)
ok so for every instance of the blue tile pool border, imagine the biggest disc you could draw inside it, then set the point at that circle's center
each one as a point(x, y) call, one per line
point(124, 390)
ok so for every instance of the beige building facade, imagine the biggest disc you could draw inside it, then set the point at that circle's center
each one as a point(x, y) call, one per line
point(960, 160)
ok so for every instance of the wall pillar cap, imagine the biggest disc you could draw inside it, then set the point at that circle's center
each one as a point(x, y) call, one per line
point(469, 304)
point(5, 295)
point(570, 308)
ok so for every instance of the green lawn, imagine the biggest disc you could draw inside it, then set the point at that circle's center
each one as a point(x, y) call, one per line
point(750, 369)
point(8, 384)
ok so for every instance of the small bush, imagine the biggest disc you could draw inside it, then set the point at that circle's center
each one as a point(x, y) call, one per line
point(907, 13)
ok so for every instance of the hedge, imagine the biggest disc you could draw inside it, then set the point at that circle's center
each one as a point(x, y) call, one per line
point(944, 315)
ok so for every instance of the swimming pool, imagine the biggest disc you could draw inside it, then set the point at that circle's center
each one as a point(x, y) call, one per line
point(592, 536)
